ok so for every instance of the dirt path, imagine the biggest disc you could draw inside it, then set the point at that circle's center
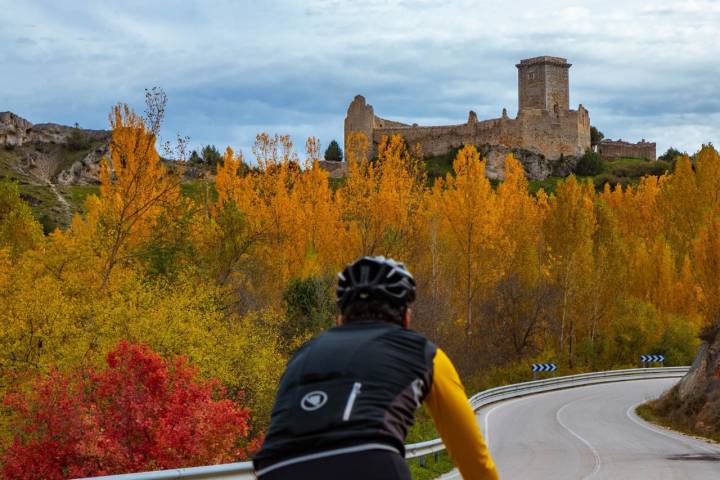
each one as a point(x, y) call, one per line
point(65, 205)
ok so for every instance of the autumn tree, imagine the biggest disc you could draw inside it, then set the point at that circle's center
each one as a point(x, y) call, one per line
point(19, 231)
point(135, 187)
point(139, 413)
point(516, 307)
point(469, 223)
point(569, 231)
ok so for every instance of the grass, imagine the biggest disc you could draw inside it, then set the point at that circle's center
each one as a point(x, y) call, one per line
point(432, 466)
point(77, 194)
point(610, 165)
point(45, 206)
point(548, 184)
point(647, 413)
point(8, 158)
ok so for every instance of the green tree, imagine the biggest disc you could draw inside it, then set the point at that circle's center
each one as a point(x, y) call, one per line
point(308, 309)
point(670, 155)
point(211, 155)
point(195, 158)
point(333, 152)
point(589, 164)
point(596, 135)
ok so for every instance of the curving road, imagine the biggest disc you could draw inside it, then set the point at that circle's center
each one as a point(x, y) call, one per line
point(591, 433)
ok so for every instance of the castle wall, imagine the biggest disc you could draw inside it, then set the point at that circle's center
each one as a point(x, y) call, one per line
point(566, 133)
point(610, 150)
point(440, 140)
point(552, 135)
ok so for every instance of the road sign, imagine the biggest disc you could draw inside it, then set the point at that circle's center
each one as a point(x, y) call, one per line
point(652, 358)
point(543, 367)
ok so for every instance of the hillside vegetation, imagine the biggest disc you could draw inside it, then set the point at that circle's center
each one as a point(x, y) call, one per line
point(235, 280)
point(35, 167)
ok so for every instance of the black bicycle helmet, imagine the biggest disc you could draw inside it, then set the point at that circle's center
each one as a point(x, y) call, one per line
point(375, 278)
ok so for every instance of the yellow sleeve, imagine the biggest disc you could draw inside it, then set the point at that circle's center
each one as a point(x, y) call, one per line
point(456, 422)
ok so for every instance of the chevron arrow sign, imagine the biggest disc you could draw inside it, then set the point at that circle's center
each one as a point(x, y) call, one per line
point(652, 358)
point(543, 367)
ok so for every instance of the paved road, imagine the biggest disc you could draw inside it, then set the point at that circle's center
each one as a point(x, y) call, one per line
point(591, 433)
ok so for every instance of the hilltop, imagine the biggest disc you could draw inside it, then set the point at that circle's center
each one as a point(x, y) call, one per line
point(55, 165)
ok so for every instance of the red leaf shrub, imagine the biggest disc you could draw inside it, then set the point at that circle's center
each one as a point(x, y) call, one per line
point(139, 413)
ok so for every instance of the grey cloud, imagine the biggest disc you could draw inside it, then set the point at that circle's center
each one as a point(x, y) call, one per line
point(232, 70)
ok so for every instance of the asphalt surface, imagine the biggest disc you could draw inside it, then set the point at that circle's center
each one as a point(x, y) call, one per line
point(591, 433)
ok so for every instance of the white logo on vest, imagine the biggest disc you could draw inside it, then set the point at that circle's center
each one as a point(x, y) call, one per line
point(313, 400)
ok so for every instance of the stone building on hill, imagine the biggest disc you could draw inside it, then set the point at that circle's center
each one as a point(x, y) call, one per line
point(545, 134)
point(612, 149)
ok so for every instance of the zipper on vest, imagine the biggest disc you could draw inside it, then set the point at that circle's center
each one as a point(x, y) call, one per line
point(351, 401)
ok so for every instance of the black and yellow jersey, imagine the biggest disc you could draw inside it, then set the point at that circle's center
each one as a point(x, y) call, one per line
point(356, 387)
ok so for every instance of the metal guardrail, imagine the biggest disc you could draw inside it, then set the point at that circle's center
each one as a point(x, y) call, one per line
point(244, 470)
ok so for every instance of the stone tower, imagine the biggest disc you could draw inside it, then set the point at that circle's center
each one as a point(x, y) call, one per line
point(543, 84)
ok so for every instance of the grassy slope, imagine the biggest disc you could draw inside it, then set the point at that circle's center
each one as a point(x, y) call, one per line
point(648, 413)
point(45, 205)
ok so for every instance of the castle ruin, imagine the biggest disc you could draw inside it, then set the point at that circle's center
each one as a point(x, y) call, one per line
point(545, 126)
point(613, 149)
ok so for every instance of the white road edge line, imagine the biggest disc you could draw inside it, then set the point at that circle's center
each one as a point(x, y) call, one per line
point(455, 473)
point(678, 437)
point(502, 403)
point(595, 453)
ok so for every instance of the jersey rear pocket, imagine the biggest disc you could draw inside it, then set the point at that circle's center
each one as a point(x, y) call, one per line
point(324, 405)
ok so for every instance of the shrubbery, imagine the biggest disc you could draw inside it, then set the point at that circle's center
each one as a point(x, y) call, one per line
point(589, 164)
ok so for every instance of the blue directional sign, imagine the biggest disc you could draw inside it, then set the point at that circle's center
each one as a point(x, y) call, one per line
point(652, 358)
point(543, 367)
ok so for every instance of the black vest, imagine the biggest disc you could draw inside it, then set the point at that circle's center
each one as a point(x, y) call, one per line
point(352, 385)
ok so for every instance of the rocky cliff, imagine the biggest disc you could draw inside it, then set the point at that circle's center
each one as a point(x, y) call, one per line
point(694, 403)
point(51, 153)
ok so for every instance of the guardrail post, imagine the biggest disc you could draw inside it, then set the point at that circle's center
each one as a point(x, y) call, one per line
point(421, 461)
point(436, 457)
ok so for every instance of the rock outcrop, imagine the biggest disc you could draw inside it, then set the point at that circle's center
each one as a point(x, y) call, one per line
point(536, 165)
point(14, 130)
point(40, 150)
point(695, 400)
point(85, 171)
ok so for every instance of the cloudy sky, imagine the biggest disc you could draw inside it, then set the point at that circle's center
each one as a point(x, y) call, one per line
point(232, 69)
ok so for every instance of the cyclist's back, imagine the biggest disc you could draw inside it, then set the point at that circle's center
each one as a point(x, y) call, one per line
point(348, 397)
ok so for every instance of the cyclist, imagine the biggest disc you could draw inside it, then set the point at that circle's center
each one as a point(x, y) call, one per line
point(348, 396)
